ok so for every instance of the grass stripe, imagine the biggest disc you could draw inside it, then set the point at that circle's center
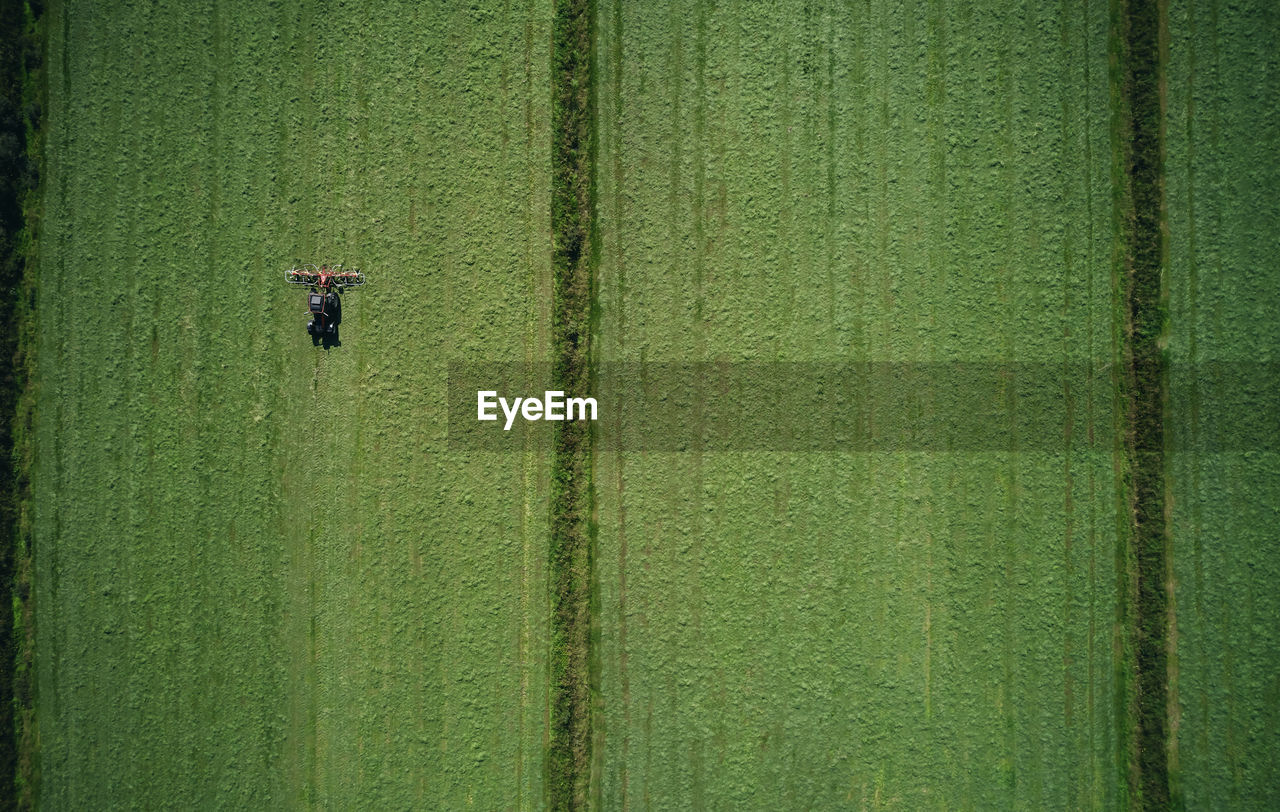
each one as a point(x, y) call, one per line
point(21, 75)
point(1141, 310)
point(573, 258)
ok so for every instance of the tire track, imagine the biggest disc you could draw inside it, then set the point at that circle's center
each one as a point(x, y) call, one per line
point(614, 307)
point(529, 750)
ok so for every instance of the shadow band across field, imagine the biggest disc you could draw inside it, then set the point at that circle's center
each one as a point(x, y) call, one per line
point(863, 407)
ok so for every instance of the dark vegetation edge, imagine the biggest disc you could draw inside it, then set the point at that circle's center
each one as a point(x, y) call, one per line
point(573, 259)
point(1143, 311)
point(21, 104)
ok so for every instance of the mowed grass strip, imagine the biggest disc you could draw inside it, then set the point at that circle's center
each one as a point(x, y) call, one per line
point(263, 577)
point(1223, 184)
point(920, 629)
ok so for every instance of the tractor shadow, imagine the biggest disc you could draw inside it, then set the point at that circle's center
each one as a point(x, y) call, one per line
point(328, 341)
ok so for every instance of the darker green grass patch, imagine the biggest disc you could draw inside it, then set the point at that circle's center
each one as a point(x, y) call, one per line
point(20, 122)
point(1143, 310)
point(573, 260)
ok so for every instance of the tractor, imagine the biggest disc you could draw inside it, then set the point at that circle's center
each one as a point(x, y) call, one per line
point(324, 303)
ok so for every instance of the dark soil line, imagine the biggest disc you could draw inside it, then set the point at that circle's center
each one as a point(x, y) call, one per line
point(1143, 396)
point(573, 262)
point(21, 103)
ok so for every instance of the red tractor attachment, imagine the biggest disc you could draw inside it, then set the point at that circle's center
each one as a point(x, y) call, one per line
point(324, 277)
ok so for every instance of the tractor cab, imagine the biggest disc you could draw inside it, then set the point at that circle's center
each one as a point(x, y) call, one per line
point(326, 313)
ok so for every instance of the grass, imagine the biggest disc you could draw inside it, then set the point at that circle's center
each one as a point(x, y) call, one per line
point(574, 260)
point(20, 103)
point(913, 629)
point(1223, 471)
point(1143, 394)
point(268, 574)
point(263, 578)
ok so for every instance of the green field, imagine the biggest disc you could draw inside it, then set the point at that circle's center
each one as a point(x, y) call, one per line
point(263, 580)
point(269, 574)
point(920, 629)
point(1224, 224)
